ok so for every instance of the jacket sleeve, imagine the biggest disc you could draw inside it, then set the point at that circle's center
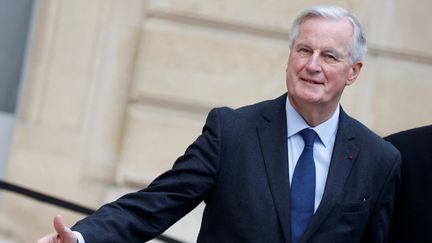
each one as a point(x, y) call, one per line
point(143, 215)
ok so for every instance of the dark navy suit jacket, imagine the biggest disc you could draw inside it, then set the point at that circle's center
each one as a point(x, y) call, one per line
point(238, 166)
point(412, 219)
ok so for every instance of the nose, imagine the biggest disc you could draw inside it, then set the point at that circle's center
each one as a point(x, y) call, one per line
point(313, 64)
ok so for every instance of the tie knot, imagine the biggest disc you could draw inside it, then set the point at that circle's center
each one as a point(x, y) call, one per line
point(309, 136)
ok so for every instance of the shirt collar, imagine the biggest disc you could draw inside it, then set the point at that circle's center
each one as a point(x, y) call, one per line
point(325, 130)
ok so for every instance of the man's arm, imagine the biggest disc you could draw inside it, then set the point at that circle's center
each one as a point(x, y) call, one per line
point(145, 214)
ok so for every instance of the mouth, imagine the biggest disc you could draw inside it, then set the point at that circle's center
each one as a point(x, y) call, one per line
point(311, 81)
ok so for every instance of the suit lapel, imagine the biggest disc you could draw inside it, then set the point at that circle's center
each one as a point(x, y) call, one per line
point(272, 134)
point(344, 156)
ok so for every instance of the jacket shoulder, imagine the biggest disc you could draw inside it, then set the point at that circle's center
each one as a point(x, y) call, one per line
point(415, 139)
point(253, 111)
point(371, 140)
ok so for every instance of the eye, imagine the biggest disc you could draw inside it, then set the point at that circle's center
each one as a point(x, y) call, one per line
point(330, 57)
point(304, 51)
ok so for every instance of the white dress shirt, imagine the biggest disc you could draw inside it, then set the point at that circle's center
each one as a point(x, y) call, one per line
point(79, 236)
point(323, 147)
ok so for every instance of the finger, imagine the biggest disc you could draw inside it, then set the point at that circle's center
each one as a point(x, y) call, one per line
point(64, 234)
point(59, 226)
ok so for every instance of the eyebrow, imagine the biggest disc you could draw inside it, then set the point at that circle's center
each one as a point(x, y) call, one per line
point(303, 45)
point(333, 52)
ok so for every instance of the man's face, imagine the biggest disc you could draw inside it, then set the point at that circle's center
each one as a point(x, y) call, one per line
point(319, 63)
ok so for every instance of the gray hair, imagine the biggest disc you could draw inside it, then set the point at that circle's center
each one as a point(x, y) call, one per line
point(358, 47)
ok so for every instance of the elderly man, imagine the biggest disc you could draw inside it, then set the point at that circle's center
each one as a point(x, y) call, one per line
point(293, 169)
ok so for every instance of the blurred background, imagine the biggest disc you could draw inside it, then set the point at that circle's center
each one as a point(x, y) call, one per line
point(98, 97)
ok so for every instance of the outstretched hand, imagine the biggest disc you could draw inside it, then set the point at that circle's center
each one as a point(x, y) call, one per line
point(63, 234)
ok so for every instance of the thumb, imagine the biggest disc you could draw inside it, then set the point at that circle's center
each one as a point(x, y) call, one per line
point(60, 228)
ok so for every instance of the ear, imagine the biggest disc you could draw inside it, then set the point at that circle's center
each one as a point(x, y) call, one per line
point(354, 72)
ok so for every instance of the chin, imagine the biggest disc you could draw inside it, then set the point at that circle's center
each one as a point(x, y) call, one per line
point(310, 100)
point(300, 99)
point(309, 96)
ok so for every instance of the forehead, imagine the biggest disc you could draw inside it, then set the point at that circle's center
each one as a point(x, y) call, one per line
point(322, 31)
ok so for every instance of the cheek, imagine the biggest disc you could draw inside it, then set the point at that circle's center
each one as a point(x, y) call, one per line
point(336, 76)
point(295, 65)
point(336, 81)
point(293, 70)
point(291, 78)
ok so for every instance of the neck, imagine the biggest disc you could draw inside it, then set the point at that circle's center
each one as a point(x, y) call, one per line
point(313, 114)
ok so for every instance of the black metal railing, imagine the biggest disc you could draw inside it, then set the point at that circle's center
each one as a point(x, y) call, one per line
point(61, 203)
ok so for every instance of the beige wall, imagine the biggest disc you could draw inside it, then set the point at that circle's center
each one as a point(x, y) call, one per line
point(116, 89)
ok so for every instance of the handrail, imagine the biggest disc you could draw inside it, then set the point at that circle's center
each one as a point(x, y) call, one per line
point(62, 203)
